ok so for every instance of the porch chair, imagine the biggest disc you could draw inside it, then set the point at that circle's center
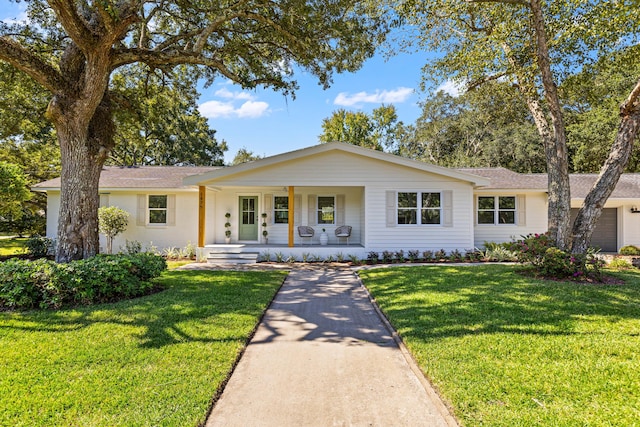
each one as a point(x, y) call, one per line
point(343, 231)
point(305, 231)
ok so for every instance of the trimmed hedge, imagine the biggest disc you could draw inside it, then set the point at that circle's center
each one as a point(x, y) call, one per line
point(46, 284)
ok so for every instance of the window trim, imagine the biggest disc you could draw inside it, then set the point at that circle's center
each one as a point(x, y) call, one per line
point(274, 210)
point(319, 210)
point(420, 208)
point(496, 211)
point(165, 209)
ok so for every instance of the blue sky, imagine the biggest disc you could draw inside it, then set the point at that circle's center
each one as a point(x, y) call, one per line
point(267, 123)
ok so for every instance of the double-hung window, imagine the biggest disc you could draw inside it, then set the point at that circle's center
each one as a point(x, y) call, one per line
point(280, 209)
point(496, 210)
point(157, 209)
point(326, 209)
point(419, 208)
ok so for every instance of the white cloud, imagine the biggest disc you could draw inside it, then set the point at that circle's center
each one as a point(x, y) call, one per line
point(450, 87)
point(250, 109)
point(226, 93)
point(400, 94)
point(215, 109)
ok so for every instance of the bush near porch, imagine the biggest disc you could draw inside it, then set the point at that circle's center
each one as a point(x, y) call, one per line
point(505, 350)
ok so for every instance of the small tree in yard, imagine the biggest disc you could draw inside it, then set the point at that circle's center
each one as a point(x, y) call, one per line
point(112, 221)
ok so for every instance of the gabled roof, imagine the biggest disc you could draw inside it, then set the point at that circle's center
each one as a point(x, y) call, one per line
point(211, 176)
point(137, 177)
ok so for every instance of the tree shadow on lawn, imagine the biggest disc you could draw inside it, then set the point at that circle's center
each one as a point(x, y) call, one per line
point(430, 303)
point(194, 305)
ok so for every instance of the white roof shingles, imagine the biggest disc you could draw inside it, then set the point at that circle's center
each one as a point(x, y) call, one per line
point(139, 177)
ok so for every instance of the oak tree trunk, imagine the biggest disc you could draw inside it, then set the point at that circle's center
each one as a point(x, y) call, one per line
point(610, 173)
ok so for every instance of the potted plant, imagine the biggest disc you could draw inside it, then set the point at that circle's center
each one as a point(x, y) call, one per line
point(324, 237)
point(265, 233)
point(227, 227)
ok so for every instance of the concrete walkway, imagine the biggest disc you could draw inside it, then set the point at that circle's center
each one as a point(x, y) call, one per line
point(322, 356)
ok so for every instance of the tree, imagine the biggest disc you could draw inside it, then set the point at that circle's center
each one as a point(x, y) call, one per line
point(486, 127)
point(72, 48)
point(243, 156)
point(159, 122)
point(377, 130)
point(13, 190)
point(535, 45)
point(112, 221)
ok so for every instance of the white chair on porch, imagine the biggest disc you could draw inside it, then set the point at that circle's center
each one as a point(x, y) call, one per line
point(344, 231)
point(305, 231)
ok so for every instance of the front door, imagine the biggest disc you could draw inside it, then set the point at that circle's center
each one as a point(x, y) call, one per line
point(248, 218)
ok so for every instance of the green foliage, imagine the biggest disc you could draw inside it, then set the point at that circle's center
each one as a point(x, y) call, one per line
point(162, 124)
point(549, 261)
point(372, 257)
point(629, 250)
point(619, 264)
point(47, 284)
point(39, 246)
point(487, 127)
point(243, 156)
point(379, 130)
point(112, 221)
point(13, 190)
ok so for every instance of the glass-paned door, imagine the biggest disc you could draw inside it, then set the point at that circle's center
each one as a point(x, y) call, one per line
point(248, 218)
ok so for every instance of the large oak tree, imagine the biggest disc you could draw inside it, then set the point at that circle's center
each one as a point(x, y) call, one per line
point(535, 44)
point(71, 48)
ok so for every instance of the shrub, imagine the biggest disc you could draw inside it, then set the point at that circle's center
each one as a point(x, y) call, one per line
point(355, 260)
point(132, 247)
point(455, 256)
point(47, 284)
point(399, 255)
point(387, 257)
point(427, 256)
point(629, 250)
point(40, 247)
point(531, 248)
point(440, 255)
point(620, 264)
point(413, 255)
point(112, 221)
point(372, 257)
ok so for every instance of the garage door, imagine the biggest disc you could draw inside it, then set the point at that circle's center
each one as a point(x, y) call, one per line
point(605, 236)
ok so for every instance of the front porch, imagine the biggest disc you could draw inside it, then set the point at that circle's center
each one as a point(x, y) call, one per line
point(250, 252)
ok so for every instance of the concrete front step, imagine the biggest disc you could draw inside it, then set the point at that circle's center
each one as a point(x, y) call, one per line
point(232, 258)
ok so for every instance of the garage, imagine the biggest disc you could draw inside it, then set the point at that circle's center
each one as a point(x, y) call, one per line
point(605, 236)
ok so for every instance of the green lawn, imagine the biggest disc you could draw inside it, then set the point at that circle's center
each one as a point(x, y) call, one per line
point(505, 350)
point(12, 246)
point(156, 360)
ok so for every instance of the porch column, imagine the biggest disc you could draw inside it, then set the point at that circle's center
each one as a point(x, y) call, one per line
point(291, 215)
point(202, 198)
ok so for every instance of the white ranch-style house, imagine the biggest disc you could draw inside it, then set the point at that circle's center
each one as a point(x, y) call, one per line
point(389, 203)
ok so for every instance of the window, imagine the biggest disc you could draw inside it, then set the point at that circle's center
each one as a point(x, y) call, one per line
point(281, 209)
point(419, 208)
point(496, 210)
point(157, 209)
point(326, 209)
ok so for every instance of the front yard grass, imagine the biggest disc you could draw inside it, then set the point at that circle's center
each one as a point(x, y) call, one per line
point(507, 350)
point(13, 245)
point(155, 360)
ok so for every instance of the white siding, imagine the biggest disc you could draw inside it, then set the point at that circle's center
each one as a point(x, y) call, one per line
point(536, 220)
point(227, 201)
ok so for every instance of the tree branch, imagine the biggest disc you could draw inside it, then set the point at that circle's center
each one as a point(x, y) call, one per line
point(632, 103)
point(41, 71)
point(480, 82)
point(520, 2)
point(75, 26)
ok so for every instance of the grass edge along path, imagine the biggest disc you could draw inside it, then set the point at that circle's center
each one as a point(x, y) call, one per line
point(506, 350)
point(154, 360)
